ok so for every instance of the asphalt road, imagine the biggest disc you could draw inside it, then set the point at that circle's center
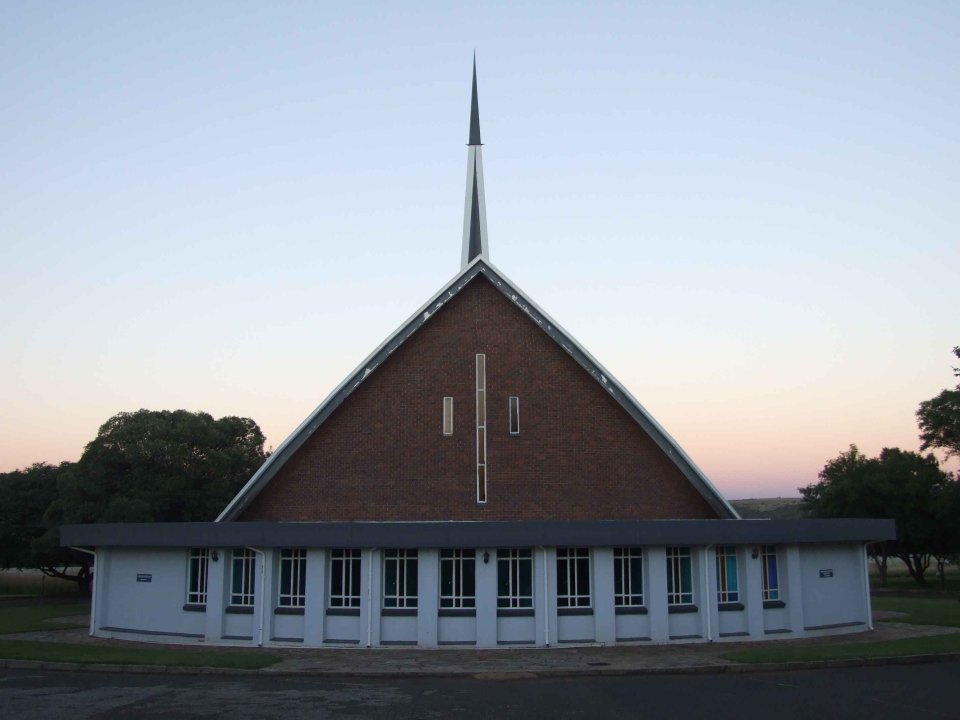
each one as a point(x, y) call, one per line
point(916, 692)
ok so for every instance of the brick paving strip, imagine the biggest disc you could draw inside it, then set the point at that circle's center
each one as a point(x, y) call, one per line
point(492, 664)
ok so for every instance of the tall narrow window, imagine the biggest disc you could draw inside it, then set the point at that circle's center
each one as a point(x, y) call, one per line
point(293, 577)
point(344, 578)
point(728, 590)
point(628, 577)
point(573, 577)
point(514, 415)
point(458, 579)
point(771, 576)
point(679, 576)
point(242, 567)
point(514, 579)
point(448, 416)
point(399, 578)
point(197, 576)
point(481, 428)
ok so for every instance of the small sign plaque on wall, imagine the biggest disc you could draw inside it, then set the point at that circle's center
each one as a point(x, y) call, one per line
point(826, 573)
point(148, 577)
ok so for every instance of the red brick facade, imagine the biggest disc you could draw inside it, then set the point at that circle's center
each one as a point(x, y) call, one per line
point(382, 455)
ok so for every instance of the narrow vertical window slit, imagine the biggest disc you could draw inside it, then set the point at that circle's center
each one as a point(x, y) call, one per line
point(481, 428)
point(448, 416)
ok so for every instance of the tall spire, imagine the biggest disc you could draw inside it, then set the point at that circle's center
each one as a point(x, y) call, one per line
point(474, 110)
point(475, 206)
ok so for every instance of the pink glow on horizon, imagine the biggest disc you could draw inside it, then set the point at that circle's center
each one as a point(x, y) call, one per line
point(748, 215)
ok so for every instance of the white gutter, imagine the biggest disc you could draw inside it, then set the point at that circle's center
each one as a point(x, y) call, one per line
point(262, 599)
point(93, 589)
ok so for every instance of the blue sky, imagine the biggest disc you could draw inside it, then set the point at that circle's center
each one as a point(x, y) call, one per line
point(747, 211)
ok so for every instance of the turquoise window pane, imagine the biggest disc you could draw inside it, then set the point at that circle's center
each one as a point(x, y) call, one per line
point(732, 574)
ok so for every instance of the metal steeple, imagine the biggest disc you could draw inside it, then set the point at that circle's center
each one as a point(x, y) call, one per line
point(475, 207)
point(474, 110)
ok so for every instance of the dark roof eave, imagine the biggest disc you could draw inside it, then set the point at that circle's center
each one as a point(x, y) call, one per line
point(600, 533)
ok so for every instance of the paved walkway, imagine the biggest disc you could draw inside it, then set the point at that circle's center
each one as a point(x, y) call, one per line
point(505, 663)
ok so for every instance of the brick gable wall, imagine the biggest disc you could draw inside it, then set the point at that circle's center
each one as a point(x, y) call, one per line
point(382, 455)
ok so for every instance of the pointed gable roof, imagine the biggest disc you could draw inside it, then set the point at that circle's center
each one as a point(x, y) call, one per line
point(514, 294)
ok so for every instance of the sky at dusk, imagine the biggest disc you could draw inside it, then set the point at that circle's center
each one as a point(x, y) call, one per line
point(748, 212)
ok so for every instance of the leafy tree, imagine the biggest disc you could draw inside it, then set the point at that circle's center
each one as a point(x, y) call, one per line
point(848, 487)
point(939, 419)
point(153, 466)
point(906, 486)
point(946, 546)
point(921, 491)
point(25, 537)
point(25, 496)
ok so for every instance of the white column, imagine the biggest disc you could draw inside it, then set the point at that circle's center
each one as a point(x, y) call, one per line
point(545, 595)
point(98, 599)
point(655, 594)
point(370, 574)
point(216, 593)
point(794, 588)
point(428, 591)
point(264, 602)
point(709, 611)
point(604, 611)
point(752, 592)
point(486, 584)
point(314, 607)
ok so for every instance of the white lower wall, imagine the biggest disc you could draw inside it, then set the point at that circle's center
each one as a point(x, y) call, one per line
point(239, 626)
point(287, 628)
point(398, 630)
point(576, 628)
point(823, 589)
point(342, 629)
point(632, 627)
point(516, 630)
point(832, 580)
point(145, 591)
point(454, 630)
point(731, 624)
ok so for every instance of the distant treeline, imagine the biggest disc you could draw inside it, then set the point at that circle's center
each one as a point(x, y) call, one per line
point(770, 508)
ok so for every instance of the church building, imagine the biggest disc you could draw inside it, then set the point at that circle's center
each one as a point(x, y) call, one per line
point(479, 480)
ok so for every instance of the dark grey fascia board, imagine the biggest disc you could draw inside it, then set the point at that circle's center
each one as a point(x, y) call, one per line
point(512, 292)
point(601, 533)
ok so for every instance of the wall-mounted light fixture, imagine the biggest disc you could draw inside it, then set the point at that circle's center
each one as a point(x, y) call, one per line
point(486, 556)
point(215, 555)
point(755, 553)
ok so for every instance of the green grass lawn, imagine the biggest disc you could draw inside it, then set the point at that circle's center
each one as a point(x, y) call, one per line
point(102, 654)
point(935, 645)
point(28, 619)
point(920, 611)
point(905, 582)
